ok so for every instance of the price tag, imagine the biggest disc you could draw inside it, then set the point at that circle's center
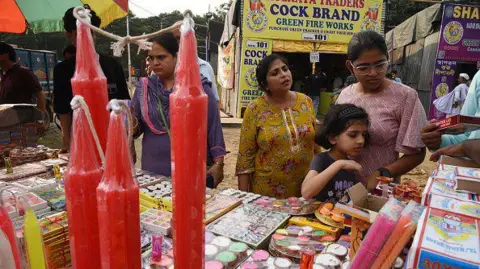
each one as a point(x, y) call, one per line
point(314, 57)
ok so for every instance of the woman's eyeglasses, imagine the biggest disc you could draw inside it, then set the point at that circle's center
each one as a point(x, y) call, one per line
point(367, 68)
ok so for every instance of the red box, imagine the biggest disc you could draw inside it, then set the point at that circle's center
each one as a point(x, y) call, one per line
point(459, 124)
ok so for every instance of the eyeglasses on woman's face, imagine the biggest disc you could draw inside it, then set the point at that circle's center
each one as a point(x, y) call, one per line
point(365, 69)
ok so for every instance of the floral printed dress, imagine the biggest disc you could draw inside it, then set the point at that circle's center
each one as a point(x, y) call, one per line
point(276, 146)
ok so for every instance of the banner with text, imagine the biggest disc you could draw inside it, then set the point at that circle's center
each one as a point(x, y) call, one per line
point(442, 83)
point(226, 68)
point(253, 51)
point(332, 21)
point(460, 33)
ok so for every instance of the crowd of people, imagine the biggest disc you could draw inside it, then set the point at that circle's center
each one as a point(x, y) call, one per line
point(377, 127)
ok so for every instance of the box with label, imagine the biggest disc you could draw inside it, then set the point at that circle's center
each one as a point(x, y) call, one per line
point(459, 124)
point(445, 239)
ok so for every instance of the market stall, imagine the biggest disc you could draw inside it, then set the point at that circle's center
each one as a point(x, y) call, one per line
point(312, 35)
point(120, 217)
point(396, 225)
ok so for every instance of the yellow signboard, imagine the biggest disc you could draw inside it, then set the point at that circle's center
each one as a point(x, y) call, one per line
point(333, 21)
point(253, 51)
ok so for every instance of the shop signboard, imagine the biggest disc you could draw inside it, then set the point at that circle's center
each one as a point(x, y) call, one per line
point(460, 33)
point(332, 21)
point(253, 51)
point(314, 57)
point(442, 84)
point(226, 68)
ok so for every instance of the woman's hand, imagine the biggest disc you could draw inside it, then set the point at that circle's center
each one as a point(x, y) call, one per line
point(217, 172)
point(350, 165)
point(431, 136)
point(455, 151)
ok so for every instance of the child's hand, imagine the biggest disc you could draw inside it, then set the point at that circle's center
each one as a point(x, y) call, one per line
point(350, 165)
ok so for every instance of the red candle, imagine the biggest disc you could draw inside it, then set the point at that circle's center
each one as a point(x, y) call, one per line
point(90, 82)
point(81, 180)
point(188, 110)
point(7, 227)
point(118, 203)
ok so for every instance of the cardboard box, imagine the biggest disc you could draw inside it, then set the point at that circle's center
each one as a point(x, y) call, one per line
point(463, 162)
point(459, 124)
point(359, 196)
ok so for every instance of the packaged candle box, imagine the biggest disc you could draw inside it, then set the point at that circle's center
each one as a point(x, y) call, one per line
point(447, 235)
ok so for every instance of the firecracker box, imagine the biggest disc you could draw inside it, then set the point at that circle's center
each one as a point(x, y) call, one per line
point(459, 124)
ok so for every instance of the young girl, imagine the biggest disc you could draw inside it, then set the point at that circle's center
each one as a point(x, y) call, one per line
point(332, 172)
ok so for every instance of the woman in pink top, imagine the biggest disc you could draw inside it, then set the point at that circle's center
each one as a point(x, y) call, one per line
point(396, 114)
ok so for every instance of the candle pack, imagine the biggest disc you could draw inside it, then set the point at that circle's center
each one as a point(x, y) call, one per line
point(249, 224)
point(22, 171)
point(49, 163)
point(293, 205)
point(218, 205)
point(378, 234)
point(156, 221)
point(445, 188)
point(401, 235)
point(246, 197)
point(449, 239)
point(34, 184)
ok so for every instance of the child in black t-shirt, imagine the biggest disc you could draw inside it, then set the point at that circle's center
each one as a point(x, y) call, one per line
point(331, 173)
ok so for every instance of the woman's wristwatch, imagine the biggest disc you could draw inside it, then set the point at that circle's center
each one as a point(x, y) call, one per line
point(384, 172)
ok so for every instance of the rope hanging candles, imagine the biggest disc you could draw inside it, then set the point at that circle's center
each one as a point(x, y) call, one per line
point(82, 15)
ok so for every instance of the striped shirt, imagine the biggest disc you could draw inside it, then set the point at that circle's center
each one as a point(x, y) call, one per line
point(396, 118)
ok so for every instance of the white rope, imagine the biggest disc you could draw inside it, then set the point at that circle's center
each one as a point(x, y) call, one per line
point(119, 106)
point(79, 102)
point(82, 15)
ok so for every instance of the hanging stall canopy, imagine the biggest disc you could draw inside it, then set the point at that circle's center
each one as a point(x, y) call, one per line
point(46, 15)
point(419, 26)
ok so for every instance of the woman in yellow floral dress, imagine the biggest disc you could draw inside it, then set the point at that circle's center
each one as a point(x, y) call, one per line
point(277, 136)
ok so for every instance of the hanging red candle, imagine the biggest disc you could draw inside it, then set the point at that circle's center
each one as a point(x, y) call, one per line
point(188, 110)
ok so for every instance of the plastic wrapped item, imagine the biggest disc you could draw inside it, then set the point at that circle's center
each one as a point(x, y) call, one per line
point(378, 234)
point(90, 82)
point(188, 103)
point(82, 177)
point(7, 259)
point(7, 229)
point(118, 200)
point(34, 241)
point(22, 171)
point(402, 233)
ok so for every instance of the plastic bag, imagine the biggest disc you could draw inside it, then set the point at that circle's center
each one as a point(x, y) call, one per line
point(118, 201)
point(8, 244)
point(405, 228)
point(82, 177)
point(378, 234)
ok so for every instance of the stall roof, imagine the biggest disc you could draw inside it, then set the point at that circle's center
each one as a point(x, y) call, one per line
point(417, 27)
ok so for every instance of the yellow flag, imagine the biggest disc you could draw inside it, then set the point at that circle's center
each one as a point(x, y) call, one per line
point(107, 10)
point(34, 241)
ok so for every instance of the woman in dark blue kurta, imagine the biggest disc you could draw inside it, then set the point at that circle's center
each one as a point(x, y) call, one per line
point(151, 99)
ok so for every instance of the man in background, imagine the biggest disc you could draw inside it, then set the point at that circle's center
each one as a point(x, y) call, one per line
point(64, 71)
point(18, 85)
point(316, 83)
point(69, 52)
point(395, 76)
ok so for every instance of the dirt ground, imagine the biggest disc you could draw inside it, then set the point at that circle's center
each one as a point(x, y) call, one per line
point(232, 135)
